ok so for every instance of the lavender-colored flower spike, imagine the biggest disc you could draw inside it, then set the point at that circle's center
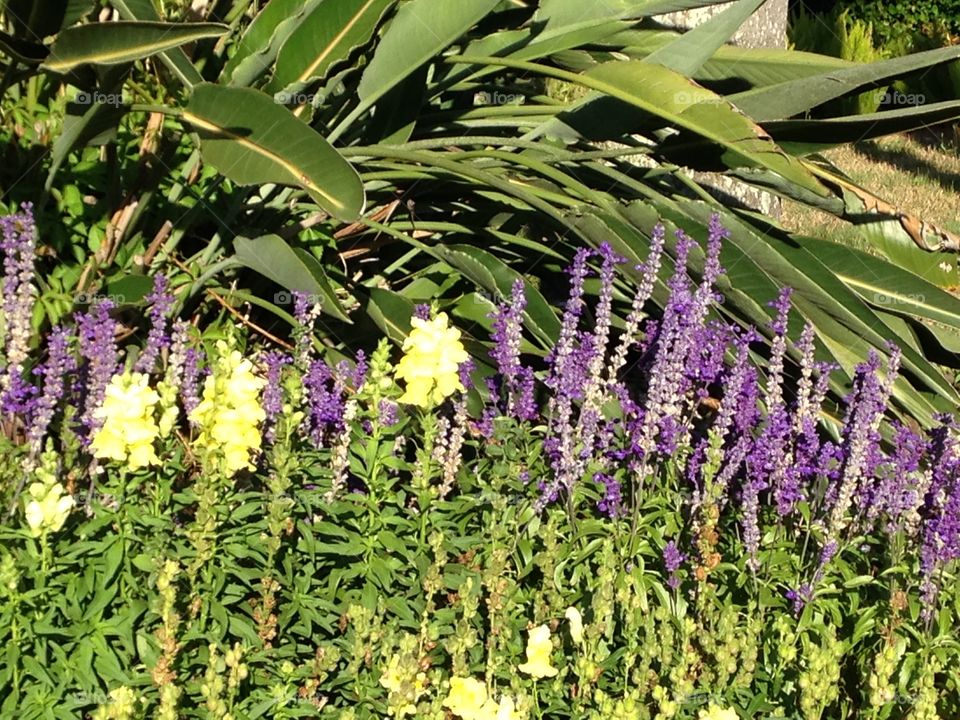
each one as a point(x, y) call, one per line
point(507, 333)
point(98, 347)
point(274, 361)
point(59, 363)
point(190, 382)
point(672, 560)
point(161, 302)
point(649, 270)
point(19, 294)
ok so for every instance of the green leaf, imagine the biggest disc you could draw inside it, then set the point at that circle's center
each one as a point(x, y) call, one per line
point(799, 96)
point(579, 12)
point(326, 36)
point(257, 48)
point(176, 59)
point(121, 42)
point(664, 93)
point(490, 273)
point(742, 68)
point(693, 48)
point(420, 31)
point(803, 137)
point(253, 140)
point(391, 312)
point(884, 284)
point(293, 268)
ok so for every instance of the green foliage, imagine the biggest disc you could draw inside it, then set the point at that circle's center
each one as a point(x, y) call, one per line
point(895, 18)
point(367, 135)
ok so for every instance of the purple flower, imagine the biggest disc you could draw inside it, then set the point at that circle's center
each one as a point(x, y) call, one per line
point(387, 410)
point(507, 333)
point(649, 270)
point(611, 502)
point(161, 302)
point(19, 295)
point(274, 360)
point(422, 311)
point(190, 381)
point(672, 560)
point(326, 401)
point(98, 347)
point(58, 365)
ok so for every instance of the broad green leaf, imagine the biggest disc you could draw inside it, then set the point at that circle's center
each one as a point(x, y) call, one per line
point(791, 98)
point(884, 284)
point(558, 13)
point(326, 36)
point(292, 268)
point(121, 42)
point(256, 50)
point(692, 49)
point(678, 100)
point(176, 59)
point(391, 312)
point(420, 30)
point(805, 136)
point(253, 140)
point(736, 68)
point(492, 274)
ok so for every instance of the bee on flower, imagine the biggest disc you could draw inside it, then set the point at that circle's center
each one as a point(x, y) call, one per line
point(429, 367)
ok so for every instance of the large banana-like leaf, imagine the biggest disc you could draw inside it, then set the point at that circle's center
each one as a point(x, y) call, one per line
point(665, 94)
point(292, 268)
point(257, 49)
point(692, 49)
point(885, 285)
point(420, 30)
point(175, 59)
point(785, 100)
point(803, 137)
point(253, 140)
point(326, 36)
point(571, 13)
point(733, 68)
point(122, 42)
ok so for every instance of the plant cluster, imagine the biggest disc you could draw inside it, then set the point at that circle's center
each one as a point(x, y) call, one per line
point(648, 524)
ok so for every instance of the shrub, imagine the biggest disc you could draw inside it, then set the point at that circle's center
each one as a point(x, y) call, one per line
point(636, 529)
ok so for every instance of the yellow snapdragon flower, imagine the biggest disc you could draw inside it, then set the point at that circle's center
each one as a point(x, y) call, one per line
point(406, 683)
point(539, 649)
point(229, 413)
point(429, 367)
point(128, 430)
point(575, 619)
point(715, 712)
point(468, 700)
point(48, 507)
